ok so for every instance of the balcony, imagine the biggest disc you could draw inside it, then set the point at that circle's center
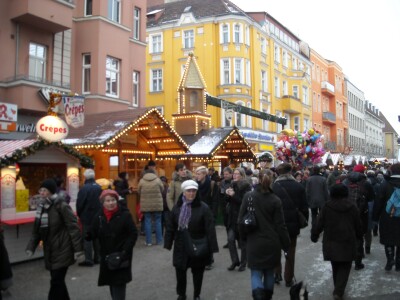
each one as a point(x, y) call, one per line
point(328, 117)
point(291, 104)
point(327, 88)
point(49, 15)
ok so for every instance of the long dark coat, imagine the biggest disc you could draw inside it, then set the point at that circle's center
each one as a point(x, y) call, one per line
point(240, 187)
point(317, 191)
point(389, 228)
point(339, 220)
point(119, 234)
point(264, 245)
point(61, 239)
point(5, 266)
point(201, 224)
point(295, 191)
point(87, 203)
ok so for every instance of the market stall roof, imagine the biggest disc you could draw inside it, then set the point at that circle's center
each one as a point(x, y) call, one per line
point(220, 143)
point(133, 128)
point(13, 151)
point(334, 157)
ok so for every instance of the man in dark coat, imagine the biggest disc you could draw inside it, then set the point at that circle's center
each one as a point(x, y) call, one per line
point(389, 227)
point(357, 180)
point(316, 192)
point(87, 205)
point(293, 198)
point(340, 222)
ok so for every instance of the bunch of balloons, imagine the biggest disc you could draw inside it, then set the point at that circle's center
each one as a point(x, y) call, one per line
point(300, 148)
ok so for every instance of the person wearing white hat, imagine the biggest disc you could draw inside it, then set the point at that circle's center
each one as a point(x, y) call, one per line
point(191, 220)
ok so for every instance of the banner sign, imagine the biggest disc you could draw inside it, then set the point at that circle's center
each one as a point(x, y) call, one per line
point(8, 112)
point(74, 110)
point(52, 129)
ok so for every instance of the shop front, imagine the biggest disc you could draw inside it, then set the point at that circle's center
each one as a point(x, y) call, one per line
point(24, 165)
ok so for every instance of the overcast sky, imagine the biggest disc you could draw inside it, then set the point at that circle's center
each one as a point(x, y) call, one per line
point(361, 36)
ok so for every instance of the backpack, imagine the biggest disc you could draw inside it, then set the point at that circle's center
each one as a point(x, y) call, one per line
point(393, 204)
point(357, 196)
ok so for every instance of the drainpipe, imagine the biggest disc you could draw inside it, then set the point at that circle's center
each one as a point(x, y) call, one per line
point(16, 51)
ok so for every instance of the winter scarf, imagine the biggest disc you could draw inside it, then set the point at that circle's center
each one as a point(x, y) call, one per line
point(185, 214)
point(110, 213)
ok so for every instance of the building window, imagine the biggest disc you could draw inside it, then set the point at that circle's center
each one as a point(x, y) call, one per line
point(248, 73)
point(306, 123)
point(284, 58)
point(249, 119)
point(136, 88)
point(227, 117)
point(86, 66)
point(319, 103)
point(225, 74)
point(37, 62)
point(285, 87)
point(264, 86)
point(88, 7)
point(112, 76)
point(238, 70)
point(263, 46)
point(247, 35)
point(114, 10)
point(237, 33)
point(279, 127)
point(156, 43)
point(276, 87)
point(277, 57)
point(296, 121)
point(156, 80)
point(294, 63)
point(136, 23)
point(224, 34)
point(188, 39)
point(295, 90)
point(305, 95)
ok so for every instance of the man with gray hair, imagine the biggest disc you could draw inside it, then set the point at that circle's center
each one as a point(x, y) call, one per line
point(87, 205)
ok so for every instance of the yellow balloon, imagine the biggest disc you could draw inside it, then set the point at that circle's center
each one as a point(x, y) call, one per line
point(288, 132)
point(311, 131)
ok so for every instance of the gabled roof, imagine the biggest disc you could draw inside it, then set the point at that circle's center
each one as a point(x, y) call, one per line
point(192, 77)
point(388, 127)
point(13, 151)
point(105, 129)
point(226, 141)
point(199, 8)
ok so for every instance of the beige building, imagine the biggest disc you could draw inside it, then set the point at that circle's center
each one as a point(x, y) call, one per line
point(91, 48)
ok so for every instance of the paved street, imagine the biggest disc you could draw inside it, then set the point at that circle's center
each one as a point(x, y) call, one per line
point(154, 277)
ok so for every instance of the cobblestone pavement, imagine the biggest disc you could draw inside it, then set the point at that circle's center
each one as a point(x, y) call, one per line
point(154, 277)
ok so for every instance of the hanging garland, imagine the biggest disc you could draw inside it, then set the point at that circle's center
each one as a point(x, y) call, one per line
point(41, 144)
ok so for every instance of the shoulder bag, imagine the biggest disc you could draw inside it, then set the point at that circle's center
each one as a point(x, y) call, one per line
point(195, 247)
point(116, 261)
point(249, 221)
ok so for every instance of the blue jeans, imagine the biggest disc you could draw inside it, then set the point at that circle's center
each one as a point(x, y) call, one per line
point(157, 223)
point(262, 279)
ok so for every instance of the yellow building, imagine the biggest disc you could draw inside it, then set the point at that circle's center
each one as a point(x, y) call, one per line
point(248, 59)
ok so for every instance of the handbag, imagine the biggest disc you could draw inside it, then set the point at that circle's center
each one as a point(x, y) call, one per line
point(196, 247)
point(116, 261)
point(303, 223)
point(249, 221)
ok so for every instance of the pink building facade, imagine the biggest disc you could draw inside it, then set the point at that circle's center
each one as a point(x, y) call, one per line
point(91, 48)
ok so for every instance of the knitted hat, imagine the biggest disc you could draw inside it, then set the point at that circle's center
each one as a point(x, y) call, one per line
point(111, 193)
point(359, 168)
point(339, 191)
point(50, 185)
point(189, 184)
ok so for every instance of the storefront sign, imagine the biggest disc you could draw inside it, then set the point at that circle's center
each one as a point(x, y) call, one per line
point(8, 112)
point(74, 110)
point(258, 135)
point(52, 129)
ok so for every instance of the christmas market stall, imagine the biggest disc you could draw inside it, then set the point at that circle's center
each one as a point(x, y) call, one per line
point(24, 165)
point(125, 141)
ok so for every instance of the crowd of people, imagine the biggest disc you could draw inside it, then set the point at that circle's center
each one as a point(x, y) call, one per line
point(347, 206)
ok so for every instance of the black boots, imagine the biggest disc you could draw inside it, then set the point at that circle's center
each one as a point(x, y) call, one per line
point(261, 294)
point(389, 251)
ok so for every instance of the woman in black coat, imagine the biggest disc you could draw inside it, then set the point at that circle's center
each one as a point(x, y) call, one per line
point(264, 245)
point(114, 228)
point(190, 219)
point(340, 222)
point(389, 227)
point(234, 198)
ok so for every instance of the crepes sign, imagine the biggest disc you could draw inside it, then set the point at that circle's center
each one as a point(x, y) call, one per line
point(74, 110)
